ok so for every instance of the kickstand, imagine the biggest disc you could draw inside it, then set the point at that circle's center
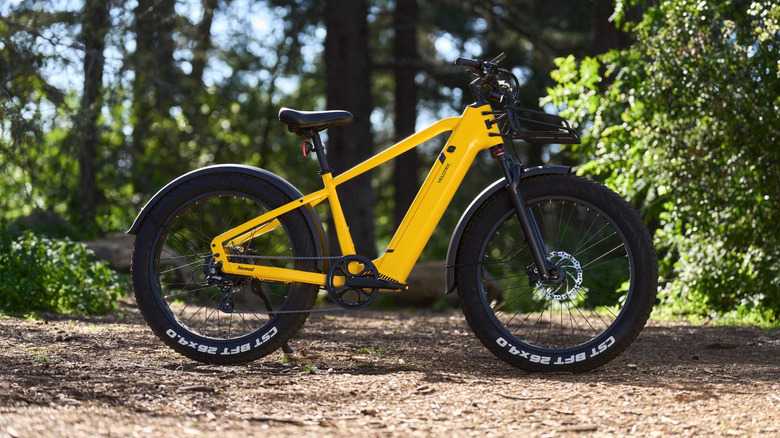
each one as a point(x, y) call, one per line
point(260, 292)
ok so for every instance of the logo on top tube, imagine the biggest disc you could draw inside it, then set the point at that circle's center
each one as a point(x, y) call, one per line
point(444, 172)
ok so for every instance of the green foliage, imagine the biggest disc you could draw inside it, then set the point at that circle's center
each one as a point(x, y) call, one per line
point(42, 274)
point(686, 125)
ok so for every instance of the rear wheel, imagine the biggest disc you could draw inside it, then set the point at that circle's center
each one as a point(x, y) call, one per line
point(189, 303)
point(609, 276)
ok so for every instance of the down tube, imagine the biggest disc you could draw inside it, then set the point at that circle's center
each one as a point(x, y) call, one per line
point(446, 175)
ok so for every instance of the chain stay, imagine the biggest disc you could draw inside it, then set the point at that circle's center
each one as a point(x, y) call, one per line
point(320, 310)
point(275, 312)
point(286, 312)
point(242, 256)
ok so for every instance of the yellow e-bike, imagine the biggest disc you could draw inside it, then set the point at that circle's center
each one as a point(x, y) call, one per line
point(554, 272)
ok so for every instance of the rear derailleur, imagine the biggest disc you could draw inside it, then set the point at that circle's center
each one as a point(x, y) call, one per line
point(228, 284)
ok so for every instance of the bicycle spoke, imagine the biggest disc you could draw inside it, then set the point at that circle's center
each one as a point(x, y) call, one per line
point(558, 244)
point(608, 261)
point(199, 309)
point(579, 248)
point(181, 267)
point(186, 292)
point(602, 256)
point(178, 256)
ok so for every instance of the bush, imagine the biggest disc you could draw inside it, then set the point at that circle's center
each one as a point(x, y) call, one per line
point(686, 124)
point(42, 274)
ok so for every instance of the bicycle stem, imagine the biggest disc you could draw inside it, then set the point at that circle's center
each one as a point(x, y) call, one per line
point(526, 217)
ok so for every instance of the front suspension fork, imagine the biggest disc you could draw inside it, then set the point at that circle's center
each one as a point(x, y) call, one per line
point(547, 270)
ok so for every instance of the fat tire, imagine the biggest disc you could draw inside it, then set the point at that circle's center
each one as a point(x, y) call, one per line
point(624, 329)
point(256, 344)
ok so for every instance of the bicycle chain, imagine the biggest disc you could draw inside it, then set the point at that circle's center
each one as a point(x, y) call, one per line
point(242, 256)
point(320, 310)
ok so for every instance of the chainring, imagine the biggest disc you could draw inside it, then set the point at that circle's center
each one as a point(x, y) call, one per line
point(347, 296)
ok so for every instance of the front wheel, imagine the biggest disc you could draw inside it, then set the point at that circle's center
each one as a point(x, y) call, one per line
point(608, 266)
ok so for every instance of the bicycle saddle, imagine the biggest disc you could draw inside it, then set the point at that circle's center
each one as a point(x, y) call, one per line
point(316, 120)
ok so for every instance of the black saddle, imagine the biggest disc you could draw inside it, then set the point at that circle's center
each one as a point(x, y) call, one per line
point(300, 121)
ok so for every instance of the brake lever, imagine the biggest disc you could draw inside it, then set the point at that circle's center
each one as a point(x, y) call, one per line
point(501, 56)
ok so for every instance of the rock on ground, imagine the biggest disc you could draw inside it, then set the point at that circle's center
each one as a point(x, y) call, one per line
point(115, 248)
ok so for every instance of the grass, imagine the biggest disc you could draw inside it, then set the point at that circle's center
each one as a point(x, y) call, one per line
point(663, 313)
point(39, 355)
point(362, 365)
point(378, 352)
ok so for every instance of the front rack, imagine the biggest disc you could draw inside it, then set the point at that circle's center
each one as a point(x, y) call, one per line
point(534, 126)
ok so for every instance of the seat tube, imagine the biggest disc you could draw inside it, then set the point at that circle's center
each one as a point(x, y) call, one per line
point(340, 222)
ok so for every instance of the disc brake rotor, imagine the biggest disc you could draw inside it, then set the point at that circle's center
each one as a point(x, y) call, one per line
point(572, 277)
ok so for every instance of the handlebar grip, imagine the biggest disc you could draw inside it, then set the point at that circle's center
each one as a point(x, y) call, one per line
point(467, 62)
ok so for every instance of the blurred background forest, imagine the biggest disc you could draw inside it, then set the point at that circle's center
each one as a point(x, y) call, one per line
point(102, 102)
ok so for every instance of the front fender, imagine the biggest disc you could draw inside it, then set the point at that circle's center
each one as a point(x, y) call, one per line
point(315, 225)
point(520, 174)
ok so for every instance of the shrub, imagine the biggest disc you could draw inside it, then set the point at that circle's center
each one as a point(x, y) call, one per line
point(42, 274)
point(686, 124)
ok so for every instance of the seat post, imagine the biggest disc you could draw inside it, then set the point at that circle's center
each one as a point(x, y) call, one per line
point(319, 149)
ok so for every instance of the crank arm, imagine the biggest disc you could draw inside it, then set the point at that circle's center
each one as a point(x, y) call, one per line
point(378, 283)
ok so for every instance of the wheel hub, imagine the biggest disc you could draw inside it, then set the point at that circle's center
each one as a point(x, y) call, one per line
point(569, 279)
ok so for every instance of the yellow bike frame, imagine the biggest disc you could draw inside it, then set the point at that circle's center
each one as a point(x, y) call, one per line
point(470, 135)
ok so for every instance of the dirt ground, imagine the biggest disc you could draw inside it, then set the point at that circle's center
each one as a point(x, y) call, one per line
point(377, 373)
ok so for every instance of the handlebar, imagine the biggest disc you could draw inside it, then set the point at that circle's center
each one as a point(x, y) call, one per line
point(487, 85)
point(468, 62)
point(501, 85)
point(477, 63)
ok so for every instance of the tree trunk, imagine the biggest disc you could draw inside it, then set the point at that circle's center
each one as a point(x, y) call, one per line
point(349, 88)
point(155, 77)
point(535, 152)
point(143, 67)
point(605, 35)
point(203, 42)
point(94, 26)
point(405, 53)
